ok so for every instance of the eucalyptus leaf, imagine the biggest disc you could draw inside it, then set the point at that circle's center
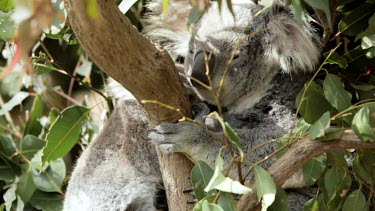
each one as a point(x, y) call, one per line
point(226, 184)
point(357, 20)
point(7, 26)
point(227, 202)
point(361, 125)
point(200, 177)
point(313, 169)
point(318, 128)
point(265, 186)
point(356, 200)
point(369, 31)
point(368, 42)
point(10, 196)
point(52, 178)
point(30, 145)
point(33, 126)
point(15, 101)
point(64, 132)
point(6, 5)
point(25, 187)
point(47, 201)
point(281, 201)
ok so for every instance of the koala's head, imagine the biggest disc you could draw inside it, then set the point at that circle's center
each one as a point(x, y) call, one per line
point(267, 44)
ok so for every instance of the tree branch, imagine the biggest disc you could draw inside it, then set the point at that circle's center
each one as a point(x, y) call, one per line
point(298, 154)
point(145, 70)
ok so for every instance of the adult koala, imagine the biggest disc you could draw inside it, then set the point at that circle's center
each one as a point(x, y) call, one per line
point(261, 57)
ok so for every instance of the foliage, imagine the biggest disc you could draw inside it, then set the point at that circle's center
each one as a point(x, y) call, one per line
point(41, 122)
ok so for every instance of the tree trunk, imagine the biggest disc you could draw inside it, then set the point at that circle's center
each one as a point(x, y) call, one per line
point(145, 70)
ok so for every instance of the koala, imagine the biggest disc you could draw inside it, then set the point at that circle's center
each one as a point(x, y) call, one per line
point(262, 55)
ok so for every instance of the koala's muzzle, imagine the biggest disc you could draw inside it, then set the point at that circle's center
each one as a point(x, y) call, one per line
point(199, 68)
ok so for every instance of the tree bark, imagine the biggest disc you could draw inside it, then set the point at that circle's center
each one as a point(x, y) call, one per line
point(298, 154)
point(145, 70)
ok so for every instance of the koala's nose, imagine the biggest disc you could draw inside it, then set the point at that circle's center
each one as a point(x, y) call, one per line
point(199, 68)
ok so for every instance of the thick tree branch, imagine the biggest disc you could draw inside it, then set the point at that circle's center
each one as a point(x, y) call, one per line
point(298, 155)
point(145, 70)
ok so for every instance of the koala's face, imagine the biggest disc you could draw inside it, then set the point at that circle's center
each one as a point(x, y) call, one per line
point(247, 51)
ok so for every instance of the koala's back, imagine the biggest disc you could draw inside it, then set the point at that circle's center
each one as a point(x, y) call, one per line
point(118, 170)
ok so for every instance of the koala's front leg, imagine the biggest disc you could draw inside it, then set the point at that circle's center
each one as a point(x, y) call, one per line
point(185, 137)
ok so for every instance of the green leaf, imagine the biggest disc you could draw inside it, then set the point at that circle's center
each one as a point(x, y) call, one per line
point(6, 5)
point(52, 178)
point(7, 26)
point(363, 172)
point(363, 87)
point(265, 186)
point(47, 201)
point(322, 5)
point(331, 134)
point(281, 201)
point(33, 126)
point(230, 134)
point(30, 145)
point(25, 187)
point(337, 182)
point(318, 128)
point(336, 95)
point(336, 59)
point(92, 9)
point(10, 196)
point(200, 177)
point(227, 202)
point(210, 199)
point(15, 101)
point(361, 125)
point(368, 42)
point(7, 146)
point(8, 167)
point(226, 184)
point(64, 132)
point(357, 20)
point(206, 206)
point(311, 205)
point(313, 169)
point(194, 15)
point(355, 201)
point(314, 104)
point(369, 31)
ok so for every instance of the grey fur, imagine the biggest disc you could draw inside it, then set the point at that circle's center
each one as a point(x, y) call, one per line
point(118, 171)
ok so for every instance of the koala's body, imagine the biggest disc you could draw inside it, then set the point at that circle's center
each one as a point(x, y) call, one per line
point(263, 57)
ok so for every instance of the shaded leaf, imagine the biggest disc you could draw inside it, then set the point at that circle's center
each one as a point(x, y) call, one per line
point(322, 5)
point(52, 178)
point(25, 187)
point(369, 31)
point(47, 201)
point(7, 26)
point(64, 132)
point(265, 186)
point(314, 104)
point(355, 201)
point(336, 95)
point(227, 202)
point(318, 128)
point(33, 126)
point(30, 145)
point(357, 20)
point(313, 169)
point(281, 201)
point(361, 124)
point(336, 59)
point(331, 134)
point(363, 172)
point(201, 174)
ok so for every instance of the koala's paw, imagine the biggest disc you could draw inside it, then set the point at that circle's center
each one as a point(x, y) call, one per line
point(174, 137)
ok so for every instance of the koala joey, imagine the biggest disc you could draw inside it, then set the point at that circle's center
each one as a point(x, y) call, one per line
point(263, 58)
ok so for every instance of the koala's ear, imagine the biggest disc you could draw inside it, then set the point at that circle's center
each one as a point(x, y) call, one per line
point(170, 28)
point(292, 46)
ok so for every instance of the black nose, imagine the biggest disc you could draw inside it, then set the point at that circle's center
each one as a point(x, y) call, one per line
point(199, 68)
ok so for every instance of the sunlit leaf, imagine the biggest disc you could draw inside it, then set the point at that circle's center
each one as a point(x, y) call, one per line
point(226, 184)
point(6, 5)
point(15, 101)
point(331, 134)
point(7, 26)
point(10, 196)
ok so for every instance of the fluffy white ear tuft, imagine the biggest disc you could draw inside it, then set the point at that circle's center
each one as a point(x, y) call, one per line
point(293, 47)
point(170, 28)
